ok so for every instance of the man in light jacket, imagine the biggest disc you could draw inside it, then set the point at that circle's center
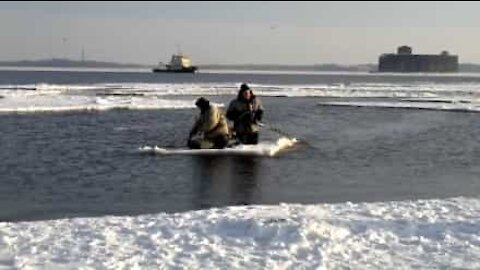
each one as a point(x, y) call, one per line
point(210, 129)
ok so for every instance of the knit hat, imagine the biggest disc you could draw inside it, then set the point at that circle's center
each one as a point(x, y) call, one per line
point(244, 87)
point(202, 102)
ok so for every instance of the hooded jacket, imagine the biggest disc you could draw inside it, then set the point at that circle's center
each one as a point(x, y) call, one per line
point(245, 114)
point(211, 123)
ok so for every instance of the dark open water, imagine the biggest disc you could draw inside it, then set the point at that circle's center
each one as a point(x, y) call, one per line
point(56, 165)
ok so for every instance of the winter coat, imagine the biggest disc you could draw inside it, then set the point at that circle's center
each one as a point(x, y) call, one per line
point(245, 114)
point(211, 123)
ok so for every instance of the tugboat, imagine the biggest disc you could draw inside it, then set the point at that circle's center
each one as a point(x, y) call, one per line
point(178, 64)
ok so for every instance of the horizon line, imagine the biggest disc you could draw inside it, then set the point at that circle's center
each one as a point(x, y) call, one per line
point(209, 64)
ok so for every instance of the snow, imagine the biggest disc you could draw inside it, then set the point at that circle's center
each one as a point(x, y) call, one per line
point(426, 234)
point(265, 148)
point(433, 105)
point(137, 96)
point(53, 103)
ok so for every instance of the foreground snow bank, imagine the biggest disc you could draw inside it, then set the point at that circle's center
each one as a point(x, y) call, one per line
point(431, 234)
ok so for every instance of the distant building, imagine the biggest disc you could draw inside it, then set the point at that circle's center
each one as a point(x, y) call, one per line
point(405, 61)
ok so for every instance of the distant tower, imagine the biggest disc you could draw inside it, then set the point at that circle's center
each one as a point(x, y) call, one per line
point(83, 54)
point(64, 42)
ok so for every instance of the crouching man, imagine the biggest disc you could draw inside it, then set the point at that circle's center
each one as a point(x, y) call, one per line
point(210, 129)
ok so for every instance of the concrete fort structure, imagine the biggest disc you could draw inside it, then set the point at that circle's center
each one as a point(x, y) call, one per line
point(405, 61)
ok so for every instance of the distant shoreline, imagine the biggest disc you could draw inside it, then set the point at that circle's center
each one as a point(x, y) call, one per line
point(66, 63)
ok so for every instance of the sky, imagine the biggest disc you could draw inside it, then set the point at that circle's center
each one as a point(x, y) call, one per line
point(295, 33)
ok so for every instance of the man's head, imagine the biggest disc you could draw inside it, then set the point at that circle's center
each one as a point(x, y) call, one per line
point(244, 87)
point(202, 103)
point(245, 92)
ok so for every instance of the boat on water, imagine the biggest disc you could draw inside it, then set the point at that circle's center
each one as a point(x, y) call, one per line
point(178, 64)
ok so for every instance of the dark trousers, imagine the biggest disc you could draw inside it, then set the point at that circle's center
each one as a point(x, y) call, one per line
point(220, 142)
point(248, 138)
point(217, 142)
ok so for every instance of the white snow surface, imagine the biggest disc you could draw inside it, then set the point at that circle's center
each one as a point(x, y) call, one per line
point(422, 234)
point(265, 148)
point(55, 103)
point(136, 96)
point(433, 105)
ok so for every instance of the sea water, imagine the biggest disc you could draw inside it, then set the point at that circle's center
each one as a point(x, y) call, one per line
point(69, 141)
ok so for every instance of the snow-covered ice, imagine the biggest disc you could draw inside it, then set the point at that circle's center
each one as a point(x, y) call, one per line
point(264, 148)
point(137, 96)
point(423, 234)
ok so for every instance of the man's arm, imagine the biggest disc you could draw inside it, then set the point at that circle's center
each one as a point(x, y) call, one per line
point(194, 129)
point(258, 110)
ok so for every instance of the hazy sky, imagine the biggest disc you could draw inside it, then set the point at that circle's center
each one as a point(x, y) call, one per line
point(237, 32)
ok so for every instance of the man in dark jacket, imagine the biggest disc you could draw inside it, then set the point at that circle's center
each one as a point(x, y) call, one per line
point(245, 111)
point(210, 129)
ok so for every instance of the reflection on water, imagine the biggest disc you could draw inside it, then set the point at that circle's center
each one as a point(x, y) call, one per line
point(221, 180)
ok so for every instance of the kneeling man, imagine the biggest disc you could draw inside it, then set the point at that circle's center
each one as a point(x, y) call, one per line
point(210, 129)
